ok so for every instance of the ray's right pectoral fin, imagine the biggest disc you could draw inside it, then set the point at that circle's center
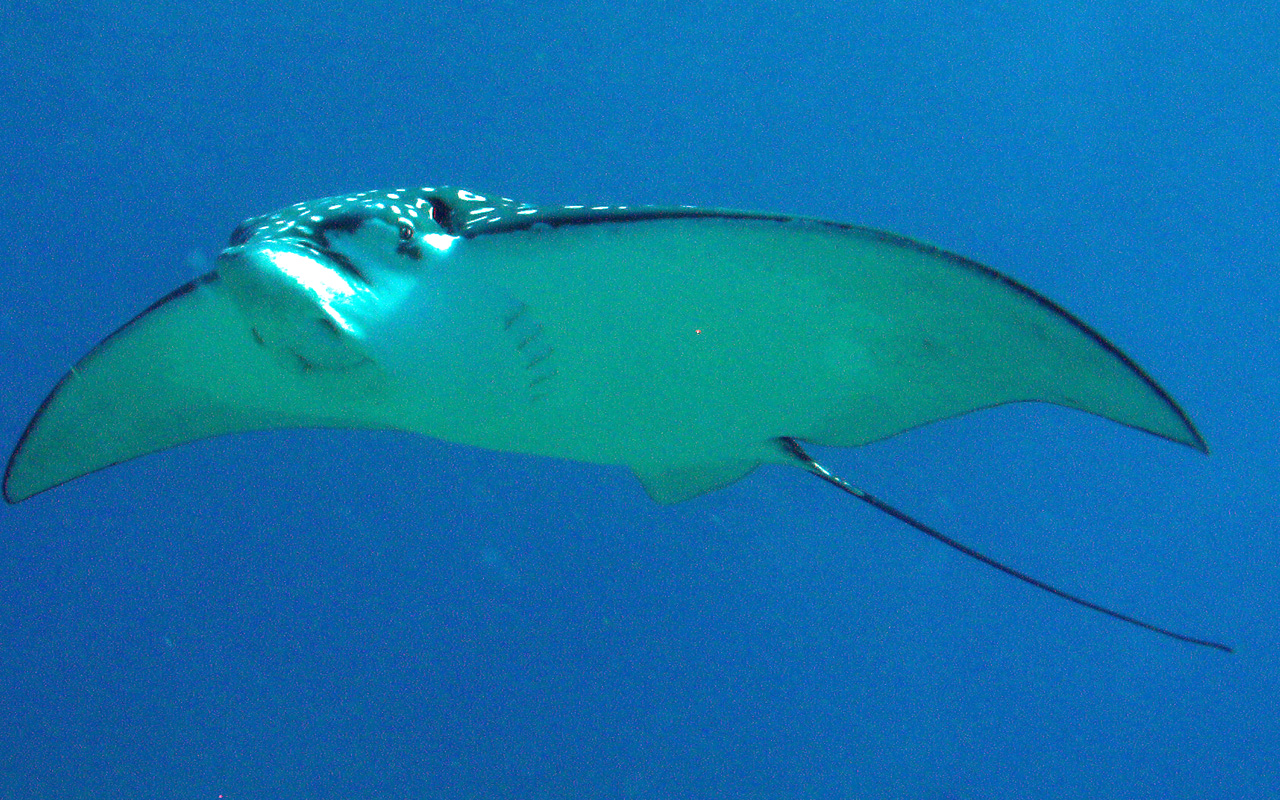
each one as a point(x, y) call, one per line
point(187, 368)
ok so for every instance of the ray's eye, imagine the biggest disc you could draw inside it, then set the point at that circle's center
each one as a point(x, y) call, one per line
point(406, 231)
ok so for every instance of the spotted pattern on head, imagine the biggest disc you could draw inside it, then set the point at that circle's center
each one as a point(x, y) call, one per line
point(454, 211)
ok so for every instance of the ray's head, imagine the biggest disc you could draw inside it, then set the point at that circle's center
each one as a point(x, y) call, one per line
point(310, 277)
point(404, 213)
point(424, 216)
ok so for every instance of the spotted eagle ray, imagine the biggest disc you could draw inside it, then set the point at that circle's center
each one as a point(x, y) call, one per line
point(691, 345)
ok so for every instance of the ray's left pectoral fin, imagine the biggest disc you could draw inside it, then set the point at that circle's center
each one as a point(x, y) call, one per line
point(187, 368)
point(668, 485)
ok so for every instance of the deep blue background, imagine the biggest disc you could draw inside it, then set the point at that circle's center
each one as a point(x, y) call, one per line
point(354, 615)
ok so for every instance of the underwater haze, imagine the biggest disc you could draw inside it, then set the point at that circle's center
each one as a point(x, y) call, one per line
point(342, 614)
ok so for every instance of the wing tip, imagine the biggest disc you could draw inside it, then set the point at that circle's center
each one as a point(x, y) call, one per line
point(10, 496)
point(1189, 435)
point(1184, 433)
point(1197, 441)
point(13, 497)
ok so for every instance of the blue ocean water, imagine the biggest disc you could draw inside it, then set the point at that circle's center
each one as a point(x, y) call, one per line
point(328, 614)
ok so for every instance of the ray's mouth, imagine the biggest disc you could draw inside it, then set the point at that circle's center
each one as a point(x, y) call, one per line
point(306, 247)
point(322, 253)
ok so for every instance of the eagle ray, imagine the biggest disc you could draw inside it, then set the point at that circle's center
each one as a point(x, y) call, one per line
point(691, 345)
